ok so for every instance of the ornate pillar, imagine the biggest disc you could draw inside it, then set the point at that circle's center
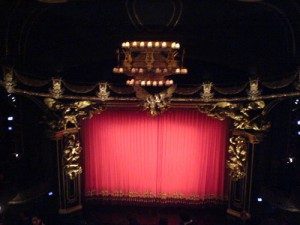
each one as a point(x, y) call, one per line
point(240, 162)
point(68, 148)
point(248, 121)
point(69, 170)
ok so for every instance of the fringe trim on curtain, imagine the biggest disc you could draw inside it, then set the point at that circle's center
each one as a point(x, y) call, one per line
point(161, 200)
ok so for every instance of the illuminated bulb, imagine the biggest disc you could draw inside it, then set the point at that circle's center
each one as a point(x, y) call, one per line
point(173, 45)
point(177, 45)
point(134, 44)
point(132, 81)
point(183, 71)
point(156, 44)
point(177, 70)
point(115, 70)
point(142, 44)
point(123, 44)
point(128, 82)
point(143, 83)
point(149, 45)
point(164, 44)
point(133, 70)
point(154, 83)
point(157, 70)
point(160, 83)
point(121, 70)
point(167, 82)
point(127, 44)
point(137, 82)
point(148, 83)
point(141, 70)
point(171, 82)
point(165, 70)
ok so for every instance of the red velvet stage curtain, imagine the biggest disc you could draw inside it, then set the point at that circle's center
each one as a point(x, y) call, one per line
point(177, 155)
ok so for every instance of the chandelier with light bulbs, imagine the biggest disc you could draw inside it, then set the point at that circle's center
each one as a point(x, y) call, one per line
point(149, 63)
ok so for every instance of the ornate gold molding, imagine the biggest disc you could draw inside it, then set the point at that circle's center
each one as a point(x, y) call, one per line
point(238, 150)
point(68, 122)
point(248, 122)
point(155, 103)
point(71, 113)
point(71, 156)
point(245, 116)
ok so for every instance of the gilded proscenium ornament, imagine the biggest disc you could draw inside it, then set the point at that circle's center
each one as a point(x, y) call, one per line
point(103, 93)
point(8, 80)
point(207, 93)
point(71, 156)
point(237, 150)
point(246, 116)
point(71, 113)
point(56, 90)
point(155, 103)
point(254, 91)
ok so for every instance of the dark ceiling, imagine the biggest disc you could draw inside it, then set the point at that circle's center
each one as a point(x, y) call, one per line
point(226, 41)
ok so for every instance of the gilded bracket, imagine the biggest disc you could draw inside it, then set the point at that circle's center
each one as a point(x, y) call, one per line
point(248, 117)
point(70, 115)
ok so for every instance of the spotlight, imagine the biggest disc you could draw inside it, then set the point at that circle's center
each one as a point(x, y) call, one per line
point(298, 122)
point(290, 160)
point(16, 154)
point(9, 128)
point(259, 199)
point(50, 193)
point(10, 118)
point(298, 132)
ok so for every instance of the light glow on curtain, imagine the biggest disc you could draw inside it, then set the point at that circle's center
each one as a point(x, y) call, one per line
point(177, 155)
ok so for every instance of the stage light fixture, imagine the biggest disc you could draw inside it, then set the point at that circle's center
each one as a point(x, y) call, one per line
point(10, 118)
point(10, 128)
point(299, 133)
point(149, 63)
point(298, 122)
point(259, 199)
point(50, 193)
point(16, 155)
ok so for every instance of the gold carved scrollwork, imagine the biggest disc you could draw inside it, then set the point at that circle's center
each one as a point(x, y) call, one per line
point(56, 90)
point(156, 103)
point(103, 93)
point(71, 156)
point(237, 157)
point(207, 91)
point(249, 116)
point(71, 113)
point(254, 91)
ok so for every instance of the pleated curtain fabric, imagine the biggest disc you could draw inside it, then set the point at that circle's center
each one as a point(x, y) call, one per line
point(179, 154)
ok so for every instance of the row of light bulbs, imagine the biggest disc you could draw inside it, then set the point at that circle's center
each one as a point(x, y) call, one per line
point(151, 44)
point(149, 82)
point(157, 70)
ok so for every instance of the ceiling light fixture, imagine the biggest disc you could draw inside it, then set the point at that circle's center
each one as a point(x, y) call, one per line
point(148, 63)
